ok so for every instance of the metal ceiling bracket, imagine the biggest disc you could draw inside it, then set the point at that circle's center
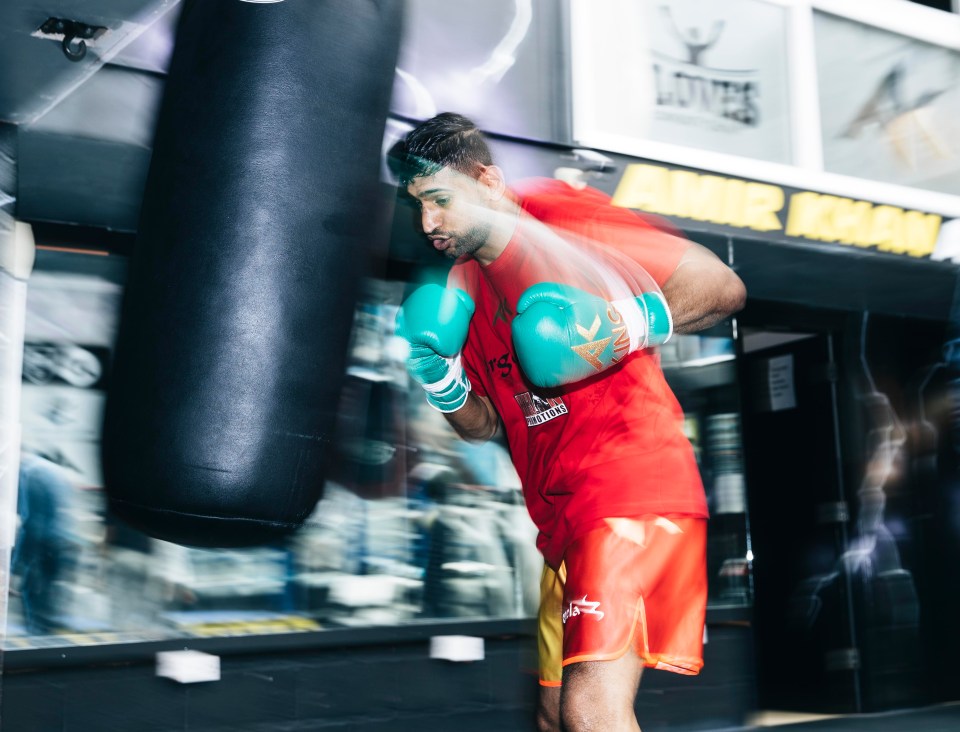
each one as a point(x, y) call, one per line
point(75, 34)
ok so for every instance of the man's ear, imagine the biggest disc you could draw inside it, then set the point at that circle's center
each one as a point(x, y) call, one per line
point(494, 181)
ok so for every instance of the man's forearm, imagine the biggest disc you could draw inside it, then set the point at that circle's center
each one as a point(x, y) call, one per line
point(700, 321)
point(476, 420)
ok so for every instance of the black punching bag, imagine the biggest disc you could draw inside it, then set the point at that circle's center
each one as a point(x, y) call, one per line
point(262, 196)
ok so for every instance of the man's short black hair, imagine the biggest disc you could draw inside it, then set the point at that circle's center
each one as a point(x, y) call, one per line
point(448, 140)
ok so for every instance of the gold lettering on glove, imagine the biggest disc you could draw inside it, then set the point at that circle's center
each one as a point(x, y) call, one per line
point(621, 344)
point(590, 351)
point(588, 335)
point(593, 349)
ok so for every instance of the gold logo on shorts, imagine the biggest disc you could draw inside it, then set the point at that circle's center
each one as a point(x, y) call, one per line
point(582, 607)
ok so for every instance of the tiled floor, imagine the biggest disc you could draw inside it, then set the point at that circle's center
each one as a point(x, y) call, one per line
point(941, 718)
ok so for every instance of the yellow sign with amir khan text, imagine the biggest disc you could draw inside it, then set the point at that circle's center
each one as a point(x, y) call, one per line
point(765, 208)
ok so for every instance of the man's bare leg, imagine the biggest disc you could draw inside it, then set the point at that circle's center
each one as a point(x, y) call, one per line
point(599, 695)
point(548, 709)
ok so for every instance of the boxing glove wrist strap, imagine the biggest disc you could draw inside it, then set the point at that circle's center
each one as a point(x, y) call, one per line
point(635, 321)
point(647, 319)
point(450, 393)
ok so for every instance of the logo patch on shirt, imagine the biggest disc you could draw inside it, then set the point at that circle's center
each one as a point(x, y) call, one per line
point(537, 410)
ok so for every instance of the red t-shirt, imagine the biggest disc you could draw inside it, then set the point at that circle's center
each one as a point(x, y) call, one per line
point(609, 446)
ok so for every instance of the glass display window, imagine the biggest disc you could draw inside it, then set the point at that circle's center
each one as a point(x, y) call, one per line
point(415, 525)
point(701, 370)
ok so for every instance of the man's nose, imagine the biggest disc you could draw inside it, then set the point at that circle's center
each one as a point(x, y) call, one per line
point(429, 220)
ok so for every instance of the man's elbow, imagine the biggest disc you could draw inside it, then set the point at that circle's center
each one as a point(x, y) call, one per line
point(736, 294)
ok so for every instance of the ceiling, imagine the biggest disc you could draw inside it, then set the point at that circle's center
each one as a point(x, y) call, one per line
point(84, 128)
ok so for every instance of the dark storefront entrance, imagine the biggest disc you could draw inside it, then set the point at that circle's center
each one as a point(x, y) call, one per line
point(846, 442)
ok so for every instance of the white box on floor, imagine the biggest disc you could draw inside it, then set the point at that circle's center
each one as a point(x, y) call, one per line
point(188, 667)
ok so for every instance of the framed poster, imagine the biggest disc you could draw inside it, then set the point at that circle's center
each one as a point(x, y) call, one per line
point(888, 105)
point(694, 73)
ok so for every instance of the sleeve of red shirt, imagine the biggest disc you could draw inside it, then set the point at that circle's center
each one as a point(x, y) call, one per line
point(653, 244)
point(657, 251)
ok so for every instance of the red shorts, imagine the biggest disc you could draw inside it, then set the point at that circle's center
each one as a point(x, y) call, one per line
point(634, 583)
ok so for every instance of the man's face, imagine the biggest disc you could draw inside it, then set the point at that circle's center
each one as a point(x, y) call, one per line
point(454, 212)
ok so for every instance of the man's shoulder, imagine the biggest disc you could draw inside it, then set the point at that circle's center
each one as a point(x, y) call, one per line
point(548, 198)
point(556, 202)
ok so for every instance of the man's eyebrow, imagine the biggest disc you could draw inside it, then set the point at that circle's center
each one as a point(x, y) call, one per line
point(432, 191)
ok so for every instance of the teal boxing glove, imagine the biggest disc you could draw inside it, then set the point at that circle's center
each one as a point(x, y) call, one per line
point(563, 334)
point(434, 321)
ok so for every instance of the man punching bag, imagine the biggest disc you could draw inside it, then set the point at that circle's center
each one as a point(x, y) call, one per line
point(260, 201)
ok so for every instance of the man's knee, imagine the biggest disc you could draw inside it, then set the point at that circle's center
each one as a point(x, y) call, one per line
point(581, 711)
point(599, 695)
